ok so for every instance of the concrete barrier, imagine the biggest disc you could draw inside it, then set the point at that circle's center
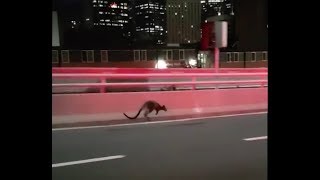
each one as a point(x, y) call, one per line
point(74, 108)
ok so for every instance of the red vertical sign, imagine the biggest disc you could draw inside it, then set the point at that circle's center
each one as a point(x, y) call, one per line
point(208, 36)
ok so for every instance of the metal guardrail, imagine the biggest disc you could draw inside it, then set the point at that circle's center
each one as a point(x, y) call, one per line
point(193, 80)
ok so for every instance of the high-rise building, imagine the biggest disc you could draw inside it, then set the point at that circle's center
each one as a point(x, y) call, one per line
point(211, 8)
point(110, 15)
point(183, 21)
point(150, 20)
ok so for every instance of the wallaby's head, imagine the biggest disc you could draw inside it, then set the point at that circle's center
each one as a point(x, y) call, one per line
point(164, 108)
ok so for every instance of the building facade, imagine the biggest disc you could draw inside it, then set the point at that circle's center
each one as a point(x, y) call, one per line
point(183, 21)
point(150, 20)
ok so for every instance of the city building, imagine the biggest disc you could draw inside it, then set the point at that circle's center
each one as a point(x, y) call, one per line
point(150, 20)
point(183, 21)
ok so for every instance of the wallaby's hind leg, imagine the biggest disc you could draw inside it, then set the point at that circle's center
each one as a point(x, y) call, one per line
point(146, 115)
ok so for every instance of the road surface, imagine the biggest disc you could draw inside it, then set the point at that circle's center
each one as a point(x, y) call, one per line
point(223, 148)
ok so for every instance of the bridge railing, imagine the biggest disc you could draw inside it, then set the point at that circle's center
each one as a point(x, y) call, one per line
point(191, 81)
point(153, 70)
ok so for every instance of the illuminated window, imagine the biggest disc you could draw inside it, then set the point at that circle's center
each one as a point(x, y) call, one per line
point(102, 20)
point(107, 20)
point(100, 5)
point(146, 16)
point(100, 12)
point(175, 13)
point(94, 1)
point(94, 5)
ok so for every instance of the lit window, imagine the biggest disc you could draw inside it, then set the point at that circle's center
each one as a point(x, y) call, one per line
point(100, 12)
point(146, 16)
point(94, 1)
point(113, 5)
point(181, 16)
point(191, 26)
point(102, 20)
point(94, 5)
point(188, 41)
point(160, 33)
point(108, 24)
point(100, 5)
point(107, 20)
point(175, 13)
point(87, 19)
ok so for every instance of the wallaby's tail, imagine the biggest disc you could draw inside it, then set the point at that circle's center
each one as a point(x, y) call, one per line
point(135, 116)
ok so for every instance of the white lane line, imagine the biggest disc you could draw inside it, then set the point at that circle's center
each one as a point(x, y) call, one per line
point(87, 161)
point(256, 138)
point(157, 122)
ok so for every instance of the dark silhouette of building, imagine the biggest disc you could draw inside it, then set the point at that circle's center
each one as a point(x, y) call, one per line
point(251, 25)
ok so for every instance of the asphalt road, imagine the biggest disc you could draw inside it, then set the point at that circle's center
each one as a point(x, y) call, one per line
point(212, 149)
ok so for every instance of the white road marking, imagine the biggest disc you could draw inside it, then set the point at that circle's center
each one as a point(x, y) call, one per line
point(156, 122)
point(87, 161)
point(256, 138)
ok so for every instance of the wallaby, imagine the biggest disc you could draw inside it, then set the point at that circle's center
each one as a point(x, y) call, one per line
point(149, 106)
